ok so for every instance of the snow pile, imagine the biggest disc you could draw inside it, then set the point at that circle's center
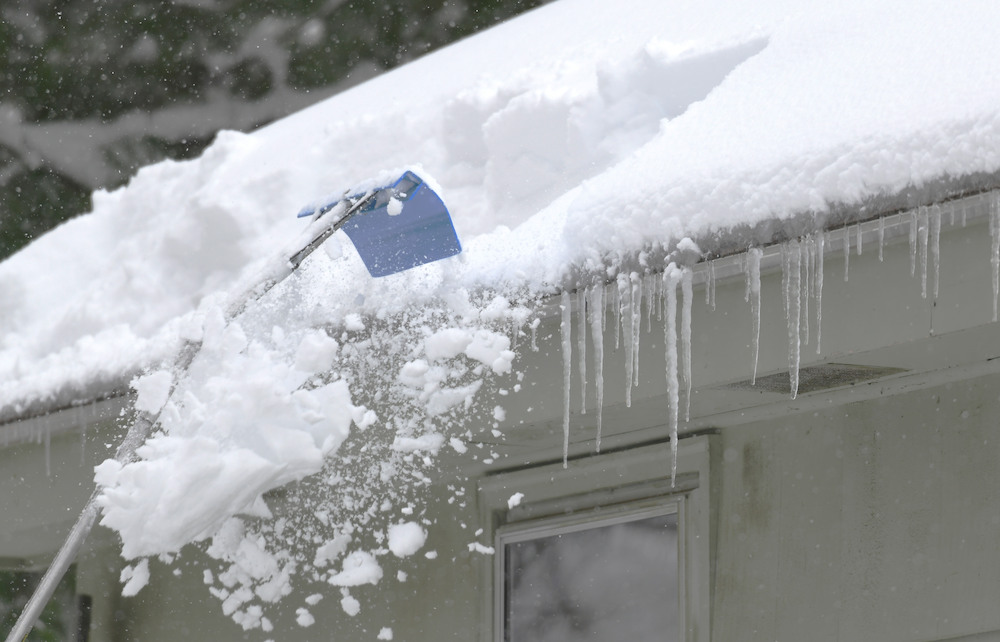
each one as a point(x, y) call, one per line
point(583, 144)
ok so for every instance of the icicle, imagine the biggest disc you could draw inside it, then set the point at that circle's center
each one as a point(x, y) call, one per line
point(670, 278)
point(847, 252)
point(913, 243)
point(636, 318)
point(687, 297)
point(859, 238)
point(818, 288)
point(581, 345)
point(48, 452)
point(625, 296)
point(710, 288)
point(746, 272)
point(617, 305)
point(567, 355)
point(881, 237)
point(935, 248)
point(793, 293)
point(995, 259)
point(922, 232)
point(597, 334)
point(806, 280)
point(658, 289)
point(650, 289)
point(754, 255)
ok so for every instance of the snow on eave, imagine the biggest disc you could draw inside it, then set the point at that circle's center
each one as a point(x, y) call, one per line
point(771, 233)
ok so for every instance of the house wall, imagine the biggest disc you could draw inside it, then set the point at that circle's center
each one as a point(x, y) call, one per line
point(876, 520)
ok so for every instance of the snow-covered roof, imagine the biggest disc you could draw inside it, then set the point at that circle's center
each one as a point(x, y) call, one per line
point(578, 136)
point(575, 134)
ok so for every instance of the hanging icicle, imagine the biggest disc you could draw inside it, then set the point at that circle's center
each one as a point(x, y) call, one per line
point(807, 267)
point(913, 242)
point(994, 206)
point(818, 288)
point(616, 303)
point(581, 345)
point(597, 334)
point(753, 257)
point(881, 238)
point(793, 295)
point(859, 237)
point(649, 288)
point(935, 249)
point(710, 287)
point(567, 355)
point(636, 318)
point(847, 253)
point(745, 261)
point(687, 296)
point(671, 276)
point(922, 249)
point(625, 315)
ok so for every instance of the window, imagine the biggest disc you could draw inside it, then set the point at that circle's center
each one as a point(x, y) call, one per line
point(605, 550)
point(599, 581)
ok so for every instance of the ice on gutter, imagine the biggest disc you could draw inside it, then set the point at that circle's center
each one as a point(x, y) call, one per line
point(799, 259)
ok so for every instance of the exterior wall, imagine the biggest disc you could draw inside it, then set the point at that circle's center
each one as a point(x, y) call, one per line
point(877, 520)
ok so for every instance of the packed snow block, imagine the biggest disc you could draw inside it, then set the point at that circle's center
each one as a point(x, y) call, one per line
point(402, 226)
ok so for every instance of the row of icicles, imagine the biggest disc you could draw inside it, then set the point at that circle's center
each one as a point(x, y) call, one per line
point(802, 286)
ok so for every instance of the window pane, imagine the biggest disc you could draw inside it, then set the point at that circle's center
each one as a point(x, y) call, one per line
point(610, 583)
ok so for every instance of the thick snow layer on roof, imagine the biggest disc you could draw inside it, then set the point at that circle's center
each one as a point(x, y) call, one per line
point(564, 142)
point(580, 132)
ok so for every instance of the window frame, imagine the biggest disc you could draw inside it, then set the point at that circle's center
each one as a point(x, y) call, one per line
point(577, 522)
point(601, 490)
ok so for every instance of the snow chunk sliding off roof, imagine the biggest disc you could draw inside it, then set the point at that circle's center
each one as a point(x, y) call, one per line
point(580, 132)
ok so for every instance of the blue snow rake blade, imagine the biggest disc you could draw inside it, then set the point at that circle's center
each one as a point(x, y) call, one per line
point(399, 226)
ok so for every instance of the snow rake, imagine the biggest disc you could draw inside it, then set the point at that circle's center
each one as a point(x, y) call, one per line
point(393, 228)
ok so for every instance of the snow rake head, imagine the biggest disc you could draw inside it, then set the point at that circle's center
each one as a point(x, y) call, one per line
point(398, 226)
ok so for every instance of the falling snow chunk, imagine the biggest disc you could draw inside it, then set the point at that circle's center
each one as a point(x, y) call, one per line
point(359, 567)
point(135, 578)
point(304, 618)
point(152, 391)
point(514, 500)
point(385, 633)
point(349, 603)
point(406, 539)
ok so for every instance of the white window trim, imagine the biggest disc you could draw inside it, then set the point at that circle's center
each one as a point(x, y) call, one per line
point(597, 491)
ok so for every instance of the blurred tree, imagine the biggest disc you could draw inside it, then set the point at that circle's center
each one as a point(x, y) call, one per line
point(90, 91)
